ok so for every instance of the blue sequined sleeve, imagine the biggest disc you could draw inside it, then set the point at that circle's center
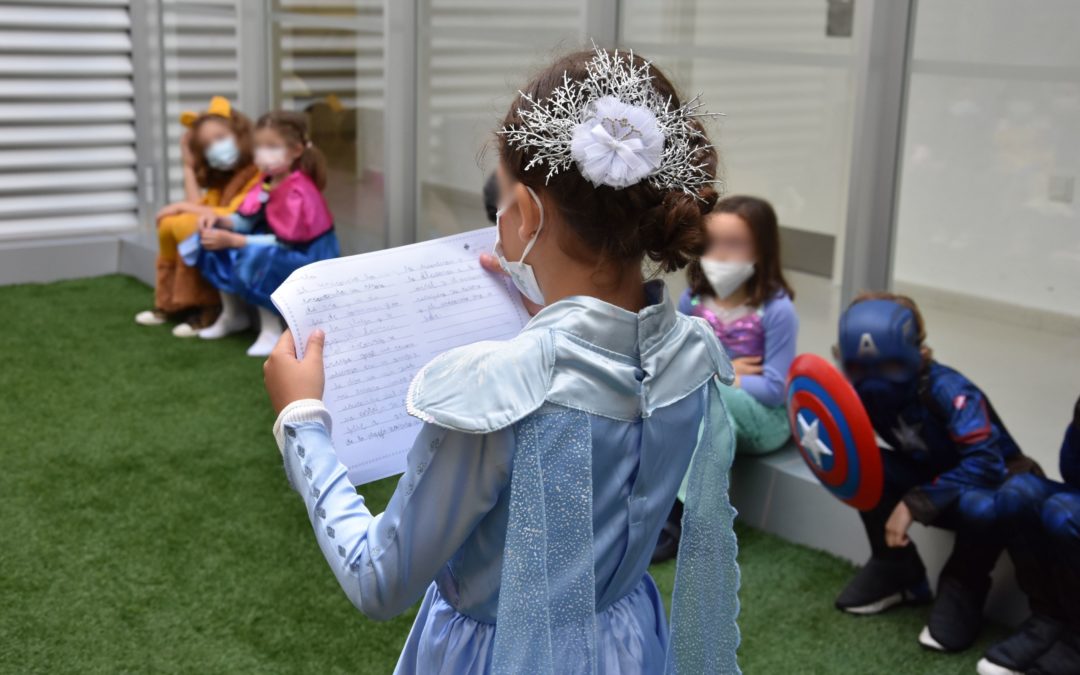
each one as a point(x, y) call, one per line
point(385, 562)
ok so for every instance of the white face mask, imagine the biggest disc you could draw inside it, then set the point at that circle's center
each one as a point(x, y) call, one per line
point(726, 277)
point(271, 160)
point(520, 273)
point(222, 154)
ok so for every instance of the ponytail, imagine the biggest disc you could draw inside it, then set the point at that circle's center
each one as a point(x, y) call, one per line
point(313, 163)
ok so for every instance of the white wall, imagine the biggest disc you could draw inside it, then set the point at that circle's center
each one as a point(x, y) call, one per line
point(988, 203)
point(783, 85)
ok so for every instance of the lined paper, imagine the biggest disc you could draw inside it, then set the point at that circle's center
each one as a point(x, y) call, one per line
point(385, 315)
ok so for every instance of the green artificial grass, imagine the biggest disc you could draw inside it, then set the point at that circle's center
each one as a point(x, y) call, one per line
point(146, 525)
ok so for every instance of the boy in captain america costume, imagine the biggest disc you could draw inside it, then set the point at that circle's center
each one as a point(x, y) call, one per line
point(948, 454)
point(1041, 520)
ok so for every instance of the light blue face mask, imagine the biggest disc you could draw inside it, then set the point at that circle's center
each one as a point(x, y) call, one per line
point(520, 272)
point(223, 154)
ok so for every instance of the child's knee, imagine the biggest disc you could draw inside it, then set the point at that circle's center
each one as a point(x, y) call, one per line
point(979, 509)
point(1019, 492)
point(1061, 518)
point(177, 227)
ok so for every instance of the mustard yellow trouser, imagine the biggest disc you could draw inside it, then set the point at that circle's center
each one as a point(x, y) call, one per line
point(178, 287)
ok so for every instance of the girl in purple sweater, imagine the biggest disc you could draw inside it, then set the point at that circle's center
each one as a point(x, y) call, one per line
point(739, 288)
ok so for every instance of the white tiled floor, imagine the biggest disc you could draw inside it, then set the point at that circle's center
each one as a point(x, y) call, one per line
point(1031, 375)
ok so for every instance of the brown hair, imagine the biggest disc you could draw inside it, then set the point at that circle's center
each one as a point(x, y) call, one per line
point(209, 177)
point(768, 279)
point(903, 301)
point(608, 225)
point(293, 127)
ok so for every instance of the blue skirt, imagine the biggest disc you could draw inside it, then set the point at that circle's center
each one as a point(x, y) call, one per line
point(631, 637)
point(255, 271)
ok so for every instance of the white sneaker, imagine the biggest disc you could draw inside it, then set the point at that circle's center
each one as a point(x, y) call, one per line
point(264, 344)
point(149, 317)
point(184, 330)
point(927, 640)
point(987, 667)
point(225, 325)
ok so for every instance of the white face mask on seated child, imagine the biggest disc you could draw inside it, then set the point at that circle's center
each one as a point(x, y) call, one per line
point(271, 160)
point(521, 273)
point(726, 277)
point(222, 154)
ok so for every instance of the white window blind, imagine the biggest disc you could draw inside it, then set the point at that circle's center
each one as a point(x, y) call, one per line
point(201, 61)
point(67, 135)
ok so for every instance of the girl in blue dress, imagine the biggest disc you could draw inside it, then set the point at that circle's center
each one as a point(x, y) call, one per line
point(546, 464)
point(282, 224)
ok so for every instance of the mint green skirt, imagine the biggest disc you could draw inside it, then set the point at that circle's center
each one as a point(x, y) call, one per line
point(759, 429)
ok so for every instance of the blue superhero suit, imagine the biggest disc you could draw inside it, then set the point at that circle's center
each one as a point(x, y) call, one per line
point(949, 435)
point(1041, 519)
point(948, 454)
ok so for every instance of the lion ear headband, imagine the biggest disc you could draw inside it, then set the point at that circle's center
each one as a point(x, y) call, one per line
point(219, 105)
point(616, 128)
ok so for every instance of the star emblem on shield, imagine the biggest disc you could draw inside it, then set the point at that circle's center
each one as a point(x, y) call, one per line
point(833, 432)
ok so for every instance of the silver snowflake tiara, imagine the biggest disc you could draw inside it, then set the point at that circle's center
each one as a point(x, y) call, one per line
point(616, 128)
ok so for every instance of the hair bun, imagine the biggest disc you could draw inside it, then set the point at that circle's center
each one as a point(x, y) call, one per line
point(673, 233)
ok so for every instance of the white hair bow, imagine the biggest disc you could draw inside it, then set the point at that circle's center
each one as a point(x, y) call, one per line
point(618, 144)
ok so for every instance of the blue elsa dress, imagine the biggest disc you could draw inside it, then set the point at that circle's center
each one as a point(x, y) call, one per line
point(534, 495)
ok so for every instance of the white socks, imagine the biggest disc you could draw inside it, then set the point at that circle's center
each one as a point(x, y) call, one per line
point(233, 319)
point(270, 331)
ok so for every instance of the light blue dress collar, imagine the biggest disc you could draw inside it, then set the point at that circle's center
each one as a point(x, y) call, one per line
point(609, 327)
point(580, 352)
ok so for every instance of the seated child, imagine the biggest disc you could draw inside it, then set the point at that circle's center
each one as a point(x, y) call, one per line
point(738, 286)
point(217, 158)
point(545, 464)
point(948, 454)
point(1041, 520)
point(282, 225)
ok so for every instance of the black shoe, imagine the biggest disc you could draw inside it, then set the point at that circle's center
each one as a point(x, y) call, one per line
point(1063, 657)
point(956, 618)
point(882, 584)
point(1019, 651)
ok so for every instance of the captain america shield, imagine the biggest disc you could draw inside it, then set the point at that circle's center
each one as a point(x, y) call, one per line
point(833, 432)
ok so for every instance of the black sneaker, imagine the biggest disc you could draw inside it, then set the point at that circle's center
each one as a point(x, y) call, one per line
point(882, 584)
point(1016, 653)
point(1063, 657)
point(956, 618)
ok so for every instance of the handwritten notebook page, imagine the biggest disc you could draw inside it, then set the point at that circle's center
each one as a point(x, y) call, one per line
point(385, 315)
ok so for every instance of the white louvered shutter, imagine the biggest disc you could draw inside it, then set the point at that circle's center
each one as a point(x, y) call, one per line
point(67, 134)
point(201, 61)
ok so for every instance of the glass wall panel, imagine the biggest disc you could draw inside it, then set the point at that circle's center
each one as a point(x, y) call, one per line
point(473, 55)
point(988, 234)
point(782, 74)
point(327, 61)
